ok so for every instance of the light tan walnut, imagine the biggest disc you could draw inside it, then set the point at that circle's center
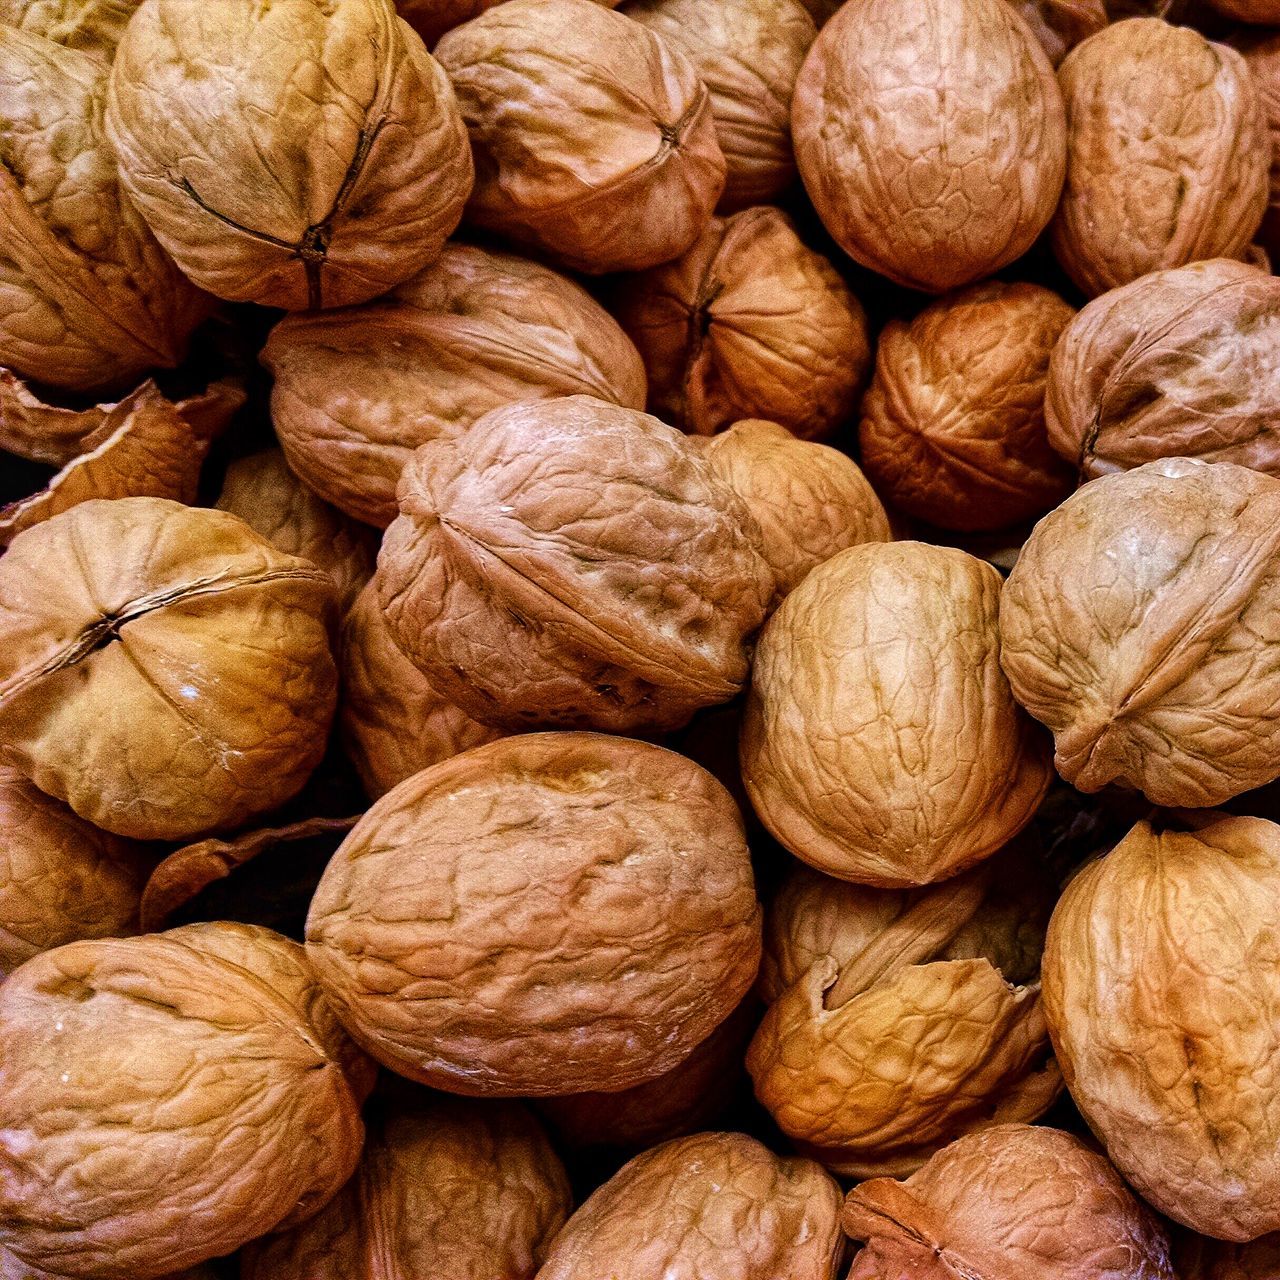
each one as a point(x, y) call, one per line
point(92, 25)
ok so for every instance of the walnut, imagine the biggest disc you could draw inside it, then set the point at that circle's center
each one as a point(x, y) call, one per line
point(92, 25)
point(1060, 25)
point(13, 1268)
point(931, 138)
point(302, 153)
point(1199, 1258)
point(432, 18)
point(1262, 56)
point(1263, 12)
point(594, 140)
point(547, 914)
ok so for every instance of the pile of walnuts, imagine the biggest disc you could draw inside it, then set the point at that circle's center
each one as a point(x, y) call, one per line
point(639, 641)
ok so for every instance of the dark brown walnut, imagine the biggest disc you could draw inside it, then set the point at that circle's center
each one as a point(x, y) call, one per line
point(1012, 1201)
point(953, 428)
point(1137, 626)
point(547, 914)
point(92, 25)
point(1199, 1258)
point(594, 139)
point(432, 18)
point(1180, 363)
point(1262, 56)
point(164, 1099)
point(573, 563)
point(163, 669)
point(1060, 25)
point(88, 300)
point(1162, 990)
point(750, 323)
point(714, 1204)
point(1262, 12)
point(930, 137)
point(447, 1188)
point(748, 54)
point(881, 742)
point(356, 391)
point(1166, 154)
point(302, 153)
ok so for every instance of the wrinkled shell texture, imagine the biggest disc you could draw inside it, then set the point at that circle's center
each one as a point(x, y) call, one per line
point(1139, 624)
point(164, 669)
point(1060, 25)
point(715, 1204)
point(447, 1188)
point(164, 1099)
point(750, 323)
point(573, 563)
point(1162, 987)
point(1015, 1200)
point(930, 136)
point(1167, 154)
point(93, 25)
point(1262, 56)
point(953, 427)
point(881, 743)
point(594, 140)
point(303, 153)
point(356, 391)
point(548, 914)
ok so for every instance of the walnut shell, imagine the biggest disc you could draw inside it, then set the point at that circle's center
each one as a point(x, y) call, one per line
point(92, 25)
point(432, 18)
point(594, 140)
point(356, 391)
point(1263, 12)
point(164, 670)
point(1137, 626)
point(1199, 1258)
point(571, 562)
point(13, 1268)
point(1013, 1200)
point(548, 914)
point(930, 137)
point(714, 1204)
point(164, 1099)
point(750, 323)
point(953, 428)
point(302, 153)
point(1162, 989)
point(1166, 154)
point(1262, 56)
point(1060, 25)
point(881, 742)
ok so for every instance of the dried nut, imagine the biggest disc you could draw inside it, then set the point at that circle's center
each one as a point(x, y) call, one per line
point(1180, 363)
point(714, 1204)
point(88, 300)
point(1166, 156)
point(548, 914)
point(1199, 1258)
point(1164, 953)
point(750, 323)
point(594, 140)
point(305, 153)
point(393, 721)
point(356, 391)
point(810, 500)
point(881, 743)
point(432, 18)
point(748, 54)
point(164, 1099)
point(953, 427)
point(1137, 626)
point(931, 138)
point(164, 670)
point(571, 562)
point(92, 25)
point(1060, 25)
point(1014, 1200)
point(13, 1268)
point(447, 1187)
point(1262, 56)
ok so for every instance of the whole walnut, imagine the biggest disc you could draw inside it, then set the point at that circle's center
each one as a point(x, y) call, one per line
point(301, 153)
point(1180, 363)
point(1137, 626)
point(570, 562)
point(881, 742)
point(357, 390)
point(164, 1099)
point(1162, 990)
point(750, 323)
point(92, 25)
point(1015, 1200)
point(551, 913)
point(1262, 56)
point(1166, 154)
point(164, 670)
point(953, 428)
point(1199, 1258)
point(88, 299)
point(748, 54)
point(1060, 25)
point(930, 137)
point(447, 1187)
point(594, 139)
point(714, 1204)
